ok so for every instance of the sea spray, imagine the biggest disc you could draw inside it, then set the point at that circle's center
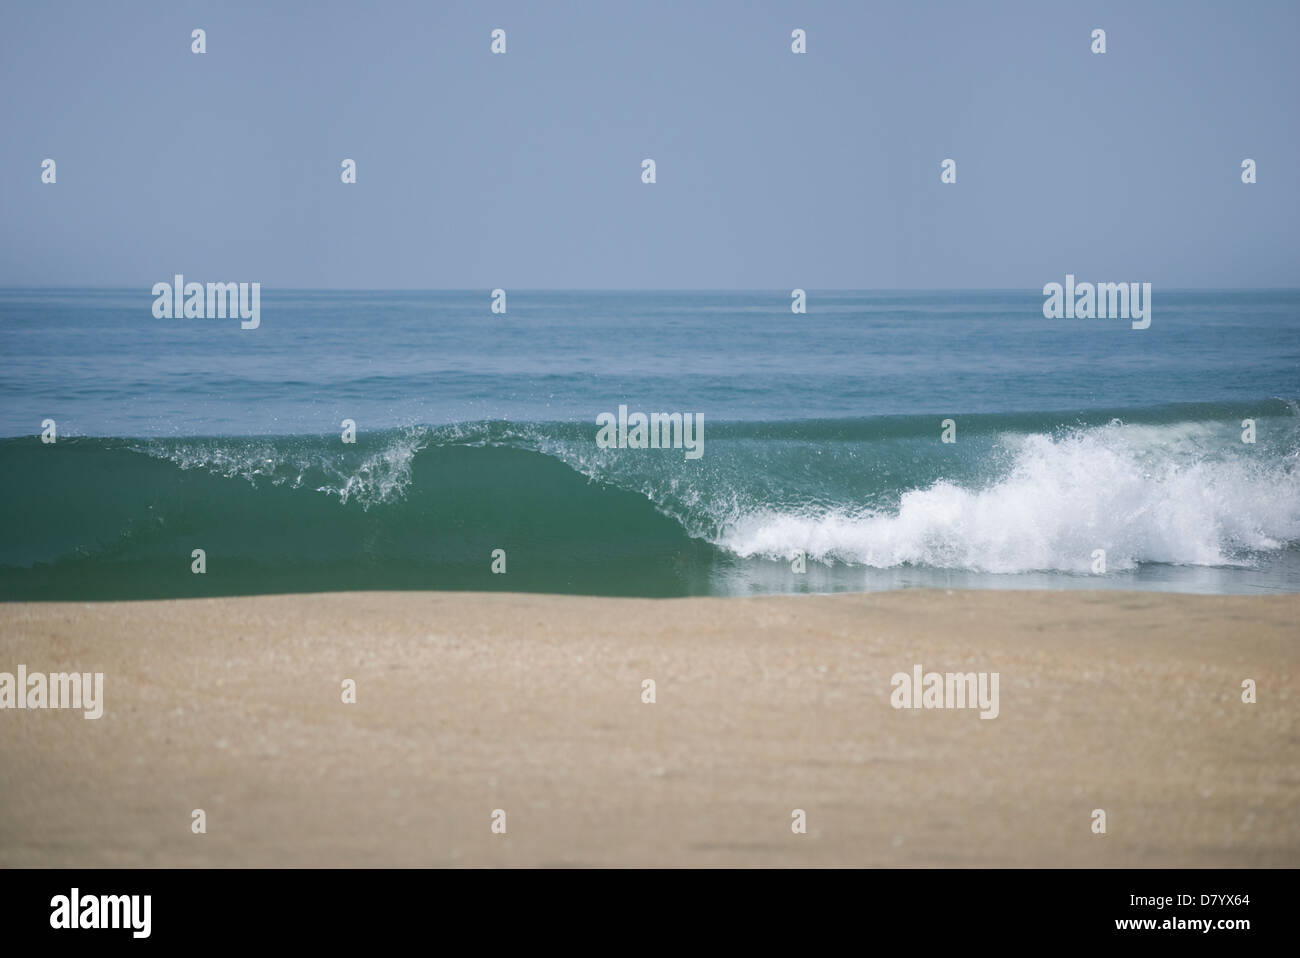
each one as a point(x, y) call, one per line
point(424, 507)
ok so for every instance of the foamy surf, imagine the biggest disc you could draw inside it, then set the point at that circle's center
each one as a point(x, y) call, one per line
point(1179, 494)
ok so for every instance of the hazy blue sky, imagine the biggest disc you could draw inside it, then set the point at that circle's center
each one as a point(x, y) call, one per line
point(774, 170)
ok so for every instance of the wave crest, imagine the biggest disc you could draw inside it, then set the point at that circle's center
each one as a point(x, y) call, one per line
point(1139, 493)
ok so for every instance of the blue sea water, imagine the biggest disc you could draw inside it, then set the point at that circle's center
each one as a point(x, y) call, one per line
point(477, 431)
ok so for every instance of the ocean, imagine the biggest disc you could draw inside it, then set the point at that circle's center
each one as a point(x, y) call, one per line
point(1084, 453)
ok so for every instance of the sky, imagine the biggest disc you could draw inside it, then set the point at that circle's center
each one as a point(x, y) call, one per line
point(774, 170)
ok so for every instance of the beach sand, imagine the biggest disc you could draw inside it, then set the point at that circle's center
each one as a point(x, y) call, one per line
point(466, 703)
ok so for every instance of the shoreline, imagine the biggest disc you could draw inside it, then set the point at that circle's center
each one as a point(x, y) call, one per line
point(532, 703)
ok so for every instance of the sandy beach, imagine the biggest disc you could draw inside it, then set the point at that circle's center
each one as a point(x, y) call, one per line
point(532, 704)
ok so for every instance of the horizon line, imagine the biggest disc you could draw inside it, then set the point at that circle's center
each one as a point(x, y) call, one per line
point(656, 289)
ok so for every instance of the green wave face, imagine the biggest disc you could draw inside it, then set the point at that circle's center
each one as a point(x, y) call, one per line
point(1172, 495)
point(102, 521)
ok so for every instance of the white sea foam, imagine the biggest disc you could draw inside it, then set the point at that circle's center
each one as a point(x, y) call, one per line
point(1177, 495)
